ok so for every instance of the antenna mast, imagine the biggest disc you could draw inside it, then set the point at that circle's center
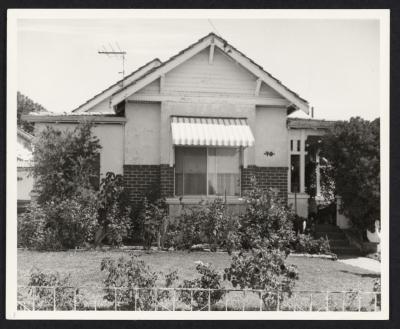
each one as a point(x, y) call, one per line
point(115, 53)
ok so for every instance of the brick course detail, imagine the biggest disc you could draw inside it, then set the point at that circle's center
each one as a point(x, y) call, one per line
point(167, 180)
point(272, 177)
point(140, 179)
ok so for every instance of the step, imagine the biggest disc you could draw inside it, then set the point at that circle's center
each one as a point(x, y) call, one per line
point(345, 250)
point(339, 243)
point(326, 228)
point(331, 235)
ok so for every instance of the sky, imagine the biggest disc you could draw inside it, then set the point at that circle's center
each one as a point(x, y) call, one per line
point(334, 64)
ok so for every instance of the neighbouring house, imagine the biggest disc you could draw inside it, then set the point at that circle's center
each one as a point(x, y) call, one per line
point(24, 164)
point(199, 126)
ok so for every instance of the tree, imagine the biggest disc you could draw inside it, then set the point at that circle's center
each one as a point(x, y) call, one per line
point(25, 105)
point(352, 151)
point(66, 162)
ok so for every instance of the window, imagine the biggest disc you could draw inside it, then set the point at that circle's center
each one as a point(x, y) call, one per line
point(294, 173)
point(207, 171)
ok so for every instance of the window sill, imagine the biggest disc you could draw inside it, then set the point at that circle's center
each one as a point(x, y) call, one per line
point(197, 199)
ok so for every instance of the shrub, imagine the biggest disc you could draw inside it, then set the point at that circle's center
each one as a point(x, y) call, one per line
point(267, 220)
point(113, 210)
point(67, 224)
point(65, 162)
point(151, 221)
point(305, 243)
point(66, 296)
point(127, 274)
point(209, 279)
point(32, 231)
point(220, 229)
point(266, 270)
point(206, 223)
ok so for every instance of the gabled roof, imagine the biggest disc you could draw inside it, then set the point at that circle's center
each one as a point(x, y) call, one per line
point(103, 95)
point(210, 39)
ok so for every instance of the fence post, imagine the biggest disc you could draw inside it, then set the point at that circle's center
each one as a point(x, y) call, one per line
point(344, 301)
point(359, 301)
point(226, 300)
point(277, 301)
point(327, 301)
point(173, 299)
point(155, 297)
point(74, 299)
point(209, 299)
point(244, 298)
point(260, 301)
point(54, 298)
point(191, 300)
point(33, 297)
point(115, 298)
point(311, 300)
point(135, 298)
point(376, 302)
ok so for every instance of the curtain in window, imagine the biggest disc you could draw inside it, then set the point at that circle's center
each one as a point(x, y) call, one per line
point(223, 171)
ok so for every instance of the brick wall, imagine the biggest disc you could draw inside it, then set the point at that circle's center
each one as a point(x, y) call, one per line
point(167, 180)
point(140, 179)
point(273, 177)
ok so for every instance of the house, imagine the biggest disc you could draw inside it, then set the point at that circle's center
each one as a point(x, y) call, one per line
point(198, 126)
point(24, 163)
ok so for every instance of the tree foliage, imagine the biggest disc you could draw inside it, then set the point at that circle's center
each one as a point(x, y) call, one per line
point(352, 152)
point(66, 162)
point(267, 220)
point(25, 105)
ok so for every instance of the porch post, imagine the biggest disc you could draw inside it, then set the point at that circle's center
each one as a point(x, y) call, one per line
point(302, 161)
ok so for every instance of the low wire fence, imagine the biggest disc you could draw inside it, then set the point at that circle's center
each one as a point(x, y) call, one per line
point(63, 298)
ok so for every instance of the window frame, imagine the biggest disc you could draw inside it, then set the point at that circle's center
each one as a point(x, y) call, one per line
point(207, 195)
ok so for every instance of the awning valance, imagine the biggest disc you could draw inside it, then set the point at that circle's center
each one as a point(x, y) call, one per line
point(196, 131)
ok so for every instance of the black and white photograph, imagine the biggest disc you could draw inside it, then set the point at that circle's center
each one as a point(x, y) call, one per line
point(197, 164)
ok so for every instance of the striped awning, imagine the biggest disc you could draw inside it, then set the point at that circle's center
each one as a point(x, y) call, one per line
point(198, 131)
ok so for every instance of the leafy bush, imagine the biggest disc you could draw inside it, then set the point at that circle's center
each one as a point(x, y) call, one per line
point(210, 279)
point(206, 223)
point(67, 224)
point(352, 153)
point(113, 210)
point(220, 229)
point(305, 243)
point(264, 269)
point(66, 162)
point(128, 274)
point(32, 231)
point(267, 220)
point(151, 221)
point(60, 293)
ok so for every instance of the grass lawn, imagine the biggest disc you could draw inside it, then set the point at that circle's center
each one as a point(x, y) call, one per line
point(84, 267)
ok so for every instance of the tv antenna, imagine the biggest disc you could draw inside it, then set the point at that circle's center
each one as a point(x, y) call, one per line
point(112, 53)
